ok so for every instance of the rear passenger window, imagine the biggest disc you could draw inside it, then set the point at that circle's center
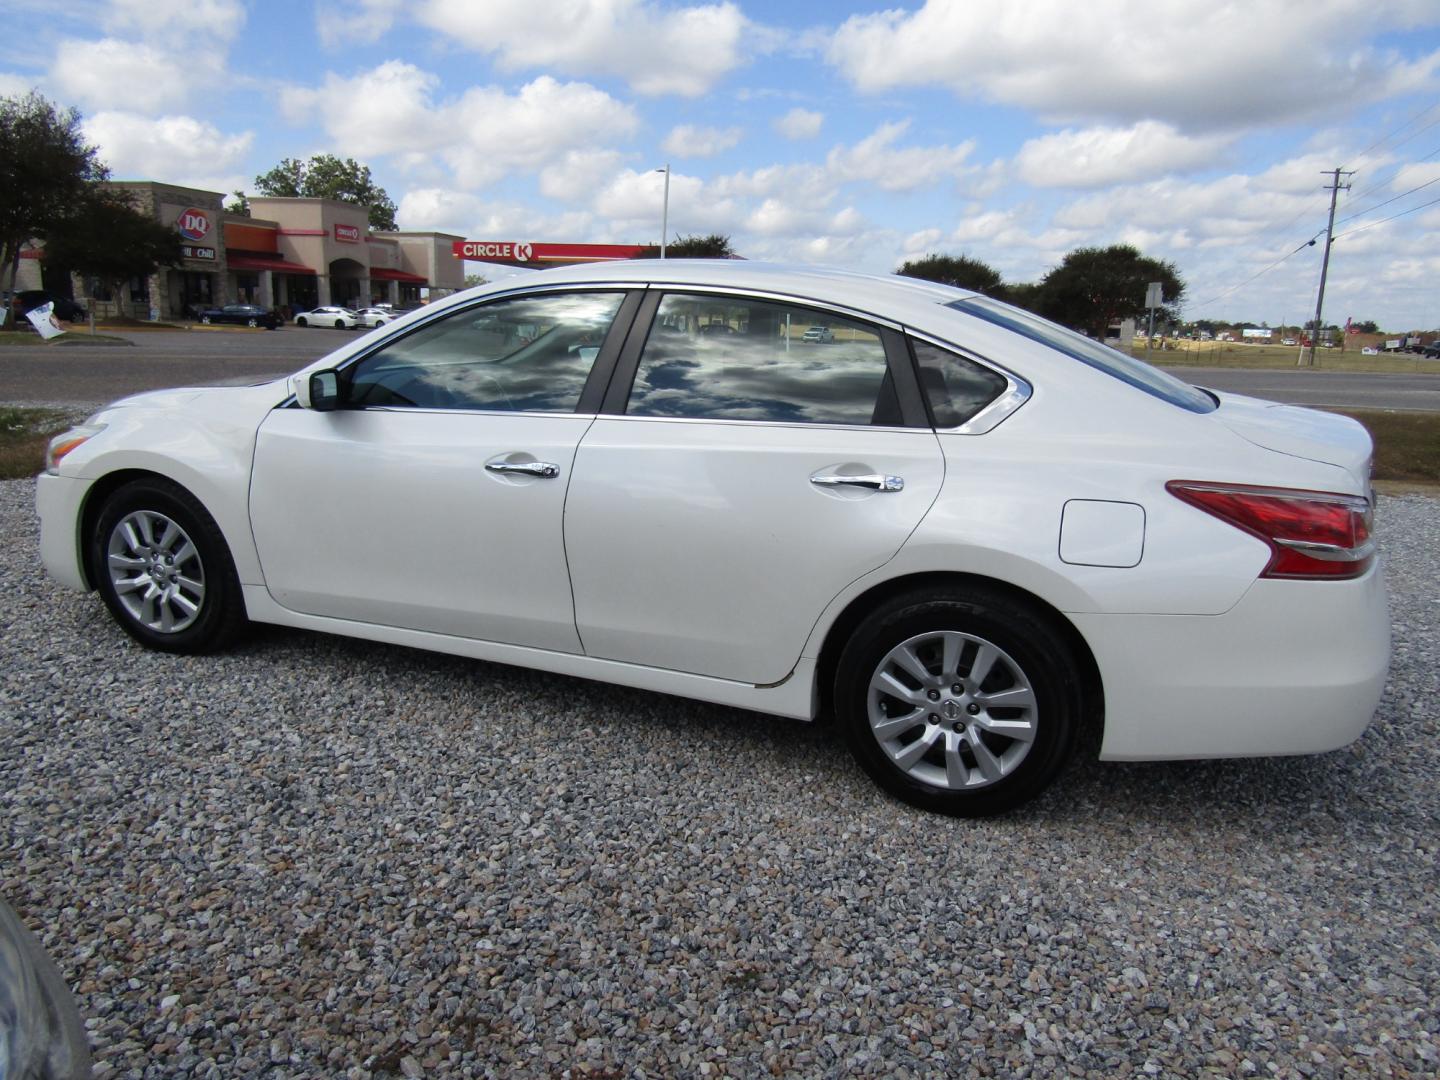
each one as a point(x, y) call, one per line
point(955, 387)
point(730, 358)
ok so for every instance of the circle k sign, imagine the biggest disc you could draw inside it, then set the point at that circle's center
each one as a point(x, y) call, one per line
point(194, 224)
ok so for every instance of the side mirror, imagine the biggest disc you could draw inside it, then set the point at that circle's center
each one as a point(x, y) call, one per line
point(319, 391)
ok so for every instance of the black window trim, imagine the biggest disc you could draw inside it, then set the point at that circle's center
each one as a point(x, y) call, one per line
point(600, 371)
point(899, 362)
point(1017, 389)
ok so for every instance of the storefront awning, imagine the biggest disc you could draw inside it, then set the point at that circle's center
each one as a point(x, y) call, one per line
point(255, 262)
point(381, 273)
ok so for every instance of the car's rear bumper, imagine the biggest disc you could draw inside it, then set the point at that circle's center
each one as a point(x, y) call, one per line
point(58, 500)
point(1296, 667)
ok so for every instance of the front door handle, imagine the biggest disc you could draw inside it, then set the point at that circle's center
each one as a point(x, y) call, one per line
point(873, 481)
point(542, 469)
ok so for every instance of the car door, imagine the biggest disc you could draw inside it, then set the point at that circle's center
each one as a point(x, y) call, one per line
point(433, 498)
point(740, 477)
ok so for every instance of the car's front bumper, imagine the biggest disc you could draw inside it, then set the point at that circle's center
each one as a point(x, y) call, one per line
point(58, 500)
point(1296, 667)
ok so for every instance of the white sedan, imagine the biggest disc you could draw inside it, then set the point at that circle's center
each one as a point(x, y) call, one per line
point(372, 317)
point(341, 318)
point(963, 531)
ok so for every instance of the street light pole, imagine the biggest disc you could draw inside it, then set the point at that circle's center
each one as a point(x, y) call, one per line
point(665, 212)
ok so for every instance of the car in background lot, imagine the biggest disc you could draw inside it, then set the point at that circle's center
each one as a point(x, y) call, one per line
point(375, 316)
point(341, 318)
point(1289, 341)
point(241, 315)
point(28, 300)
point(963, 531)
point(821, 334)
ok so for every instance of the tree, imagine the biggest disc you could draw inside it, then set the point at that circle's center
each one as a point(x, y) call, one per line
point(1369, 326)
point(108, 239)
point(961, 271)
point(1094, 288)
point(325, 176)
point(239, 204)
point(472, 280)
point(714, 246)
point(45, 165)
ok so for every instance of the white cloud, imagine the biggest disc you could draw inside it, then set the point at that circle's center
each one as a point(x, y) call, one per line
point(13, 85)
point(689, 141)
point(482, 135)
point(877, 160)
point(102, 74)
point(188, 24)
point(1099, 156)
point(684, 50)
point(1191, 63)
point(800, 124)
point(576, 174)
point(362, 21)
point(174, 149)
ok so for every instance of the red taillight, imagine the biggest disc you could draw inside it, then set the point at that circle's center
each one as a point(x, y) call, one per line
point(1312, 534)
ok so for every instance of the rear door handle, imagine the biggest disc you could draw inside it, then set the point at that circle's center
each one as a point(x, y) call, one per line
point(873, 481)
point(543, 469)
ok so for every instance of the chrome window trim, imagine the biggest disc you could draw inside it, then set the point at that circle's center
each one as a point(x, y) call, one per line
point(669, 288)
point(798, 425)
point(1017, 390)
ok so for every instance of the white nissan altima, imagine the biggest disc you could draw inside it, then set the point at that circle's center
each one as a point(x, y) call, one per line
point(960, 529)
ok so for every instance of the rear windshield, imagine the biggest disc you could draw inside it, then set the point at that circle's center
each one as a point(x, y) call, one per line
point(1088, 351)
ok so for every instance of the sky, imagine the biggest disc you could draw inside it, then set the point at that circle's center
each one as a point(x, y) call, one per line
point(847, 134)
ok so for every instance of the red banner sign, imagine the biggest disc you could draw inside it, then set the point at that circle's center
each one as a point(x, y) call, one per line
point(520, 253)
point(347, 234)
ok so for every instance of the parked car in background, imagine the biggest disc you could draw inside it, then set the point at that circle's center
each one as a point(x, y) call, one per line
point(917, 529)
point(341, 318)
point(821, 334)
point(1288, 341)
point(375, 316)
point(28, 300)
point(241, 315)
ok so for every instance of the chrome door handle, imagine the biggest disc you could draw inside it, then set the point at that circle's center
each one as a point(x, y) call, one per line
point(874, 481)
point(530, 468)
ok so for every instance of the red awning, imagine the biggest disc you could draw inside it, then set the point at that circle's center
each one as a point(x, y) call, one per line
point(255, 262)
point(381, 273)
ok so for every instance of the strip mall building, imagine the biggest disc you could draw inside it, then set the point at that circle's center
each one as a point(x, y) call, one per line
point(295, 253)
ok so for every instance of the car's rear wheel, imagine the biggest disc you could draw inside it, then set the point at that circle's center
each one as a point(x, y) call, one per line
point(252, 322)
point(963, 701)
point(300, 321)
point(339, 324)
point(164, 570)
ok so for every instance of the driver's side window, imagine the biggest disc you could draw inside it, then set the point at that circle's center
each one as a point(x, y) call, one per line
point(527, 354)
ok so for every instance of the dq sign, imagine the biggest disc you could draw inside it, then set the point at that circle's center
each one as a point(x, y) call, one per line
point(194, 224)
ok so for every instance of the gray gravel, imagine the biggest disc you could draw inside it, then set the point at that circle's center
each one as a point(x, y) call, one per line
point(315, 857)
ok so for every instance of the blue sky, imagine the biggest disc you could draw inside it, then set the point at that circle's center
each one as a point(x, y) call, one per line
point(847, 134)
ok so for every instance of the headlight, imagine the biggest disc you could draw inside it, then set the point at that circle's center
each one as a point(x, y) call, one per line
point(66, 441)
point(40, 1030)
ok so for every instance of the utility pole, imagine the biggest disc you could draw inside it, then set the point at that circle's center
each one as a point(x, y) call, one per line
point(1335, 187)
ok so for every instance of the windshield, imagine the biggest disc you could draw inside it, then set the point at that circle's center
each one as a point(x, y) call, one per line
point(1113, 362)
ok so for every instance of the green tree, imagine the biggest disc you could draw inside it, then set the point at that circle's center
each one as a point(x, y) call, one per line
point(1369, 326)
point(714, 246)
point(961, 271)
point(325, 176)
point(107, 238)
point(45, 165)
point(1025, 294)
point(1093, 288)
point(239, 203)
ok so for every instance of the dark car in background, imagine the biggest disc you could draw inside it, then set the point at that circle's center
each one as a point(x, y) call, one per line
point(242, 315)
point(28, 300)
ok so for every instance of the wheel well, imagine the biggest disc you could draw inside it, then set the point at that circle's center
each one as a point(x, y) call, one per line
point(860, 607)
point(95, 499)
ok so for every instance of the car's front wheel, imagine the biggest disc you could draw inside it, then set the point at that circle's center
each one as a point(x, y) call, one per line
point(164, 570)
point(252, 322)
point(964, 701)
point(205, 319)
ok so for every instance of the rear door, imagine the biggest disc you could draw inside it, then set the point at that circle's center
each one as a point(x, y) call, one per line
point(740, 477)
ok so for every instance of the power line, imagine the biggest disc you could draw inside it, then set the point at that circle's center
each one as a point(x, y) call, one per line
point(1392, 217)
point(1402, 127)
point(1387, 202)
point(1277, 262)
point(1394, 173)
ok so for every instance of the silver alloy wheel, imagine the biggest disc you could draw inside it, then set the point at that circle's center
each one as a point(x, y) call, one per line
point(156, 571)
point(952, 710)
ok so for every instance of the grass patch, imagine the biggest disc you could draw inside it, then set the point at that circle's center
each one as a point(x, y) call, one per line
point(23, 435)
point(70, 338)
point(1407, 444)
point(1226, 354)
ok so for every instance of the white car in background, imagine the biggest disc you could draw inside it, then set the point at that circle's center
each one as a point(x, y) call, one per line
point(371, 317)
point(962, 530)
point(341, 318)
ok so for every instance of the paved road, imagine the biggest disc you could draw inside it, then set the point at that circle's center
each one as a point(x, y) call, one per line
point(1345, 389)
point(163, 358)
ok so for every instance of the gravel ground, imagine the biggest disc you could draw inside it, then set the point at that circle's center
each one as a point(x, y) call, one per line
point(319, 857)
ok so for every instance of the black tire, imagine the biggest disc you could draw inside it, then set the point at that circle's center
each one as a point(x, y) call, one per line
point(205, 319)
point(220, 613)
point(1031, 645)
point(339, 324)
point(252, 323)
